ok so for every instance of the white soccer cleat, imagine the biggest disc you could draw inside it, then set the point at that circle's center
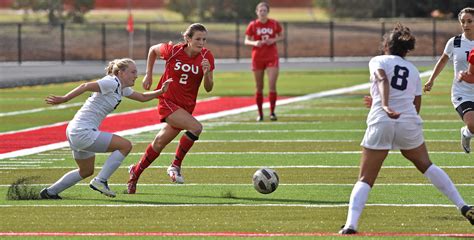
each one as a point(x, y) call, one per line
point(465, 141)
point(175, 174)
point(101, 187)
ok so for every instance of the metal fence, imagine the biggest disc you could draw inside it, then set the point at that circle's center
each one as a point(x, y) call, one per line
point(103, 41)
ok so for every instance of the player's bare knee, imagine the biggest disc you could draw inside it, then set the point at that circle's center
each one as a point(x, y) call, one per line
point(126, 147)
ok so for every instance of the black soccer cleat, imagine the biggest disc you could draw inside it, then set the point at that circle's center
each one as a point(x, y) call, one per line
point(273, 117)
point(45, 195)
point(468, 213)
point(347, 231)
point(260, 119)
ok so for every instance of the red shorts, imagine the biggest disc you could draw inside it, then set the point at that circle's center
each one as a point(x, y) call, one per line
point(167, 107)
point(262, 64)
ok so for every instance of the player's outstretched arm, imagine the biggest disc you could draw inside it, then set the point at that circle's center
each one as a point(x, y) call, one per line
point(153, 53)
point(443, 60)
point(85, 87)
point(147, 96)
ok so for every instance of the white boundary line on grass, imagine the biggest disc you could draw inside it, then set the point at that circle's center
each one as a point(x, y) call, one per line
point(250, 184)
point(204, 117)
point(230, 205)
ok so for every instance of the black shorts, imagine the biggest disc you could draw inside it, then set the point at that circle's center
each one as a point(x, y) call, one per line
point(465, 107)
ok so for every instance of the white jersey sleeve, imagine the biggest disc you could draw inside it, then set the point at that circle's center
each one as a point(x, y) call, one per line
point(127, 91)
point(448, 49)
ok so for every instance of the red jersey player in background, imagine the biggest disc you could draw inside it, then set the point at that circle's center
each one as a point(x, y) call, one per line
point(468, 76)
point(262, 34)
point(187, 63)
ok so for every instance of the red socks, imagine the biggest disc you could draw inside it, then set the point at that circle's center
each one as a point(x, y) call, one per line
point(273, 98)
point(185, 143)
point(147, 158)
point(259, 101)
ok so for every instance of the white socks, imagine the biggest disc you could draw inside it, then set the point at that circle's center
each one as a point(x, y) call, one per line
point(110, 165)
point(444, 184)
point(69, 179)
point(359, 196)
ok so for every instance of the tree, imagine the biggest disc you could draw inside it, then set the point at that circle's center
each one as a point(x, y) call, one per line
point(214, 10)
point(58, 11)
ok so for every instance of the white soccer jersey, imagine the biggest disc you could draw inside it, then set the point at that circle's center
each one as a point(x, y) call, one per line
point(100, 104)
point(461, 91)
point(405, 84)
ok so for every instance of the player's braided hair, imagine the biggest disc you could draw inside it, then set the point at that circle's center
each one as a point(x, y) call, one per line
point(118, 65)
point(399, 41)
point(469, 10)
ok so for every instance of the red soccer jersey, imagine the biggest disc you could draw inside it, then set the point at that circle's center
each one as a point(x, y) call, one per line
point(186, 73)
point(262, 31)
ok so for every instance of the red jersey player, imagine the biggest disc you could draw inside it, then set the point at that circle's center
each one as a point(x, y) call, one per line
point(262, 34)
point(187, 64)
point(468, 76)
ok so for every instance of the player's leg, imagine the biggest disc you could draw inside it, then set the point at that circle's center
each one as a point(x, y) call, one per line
point(259, 84)
point(272, 95)
point(371, 162)
point(181, 119)
point(439, 178)
point(152, 152)
point(85, 162)
point(376, 143)
point(120, 147)
point(466, 112)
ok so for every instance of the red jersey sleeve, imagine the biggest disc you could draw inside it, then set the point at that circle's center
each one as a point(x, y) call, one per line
point(165, 51)
point(250, 29)
point(278, 28)
point(470, 59)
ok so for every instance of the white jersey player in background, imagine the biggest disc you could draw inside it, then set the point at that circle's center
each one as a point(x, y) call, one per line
point(393, 123)
point(83, 132)
point(462, 93)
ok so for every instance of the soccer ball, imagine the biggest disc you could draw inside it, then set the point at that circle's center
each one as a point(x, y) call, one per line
point(265, 180)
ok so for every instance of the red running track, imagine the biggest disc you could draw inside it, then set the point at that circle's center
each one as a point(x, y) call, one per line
point(10, 142)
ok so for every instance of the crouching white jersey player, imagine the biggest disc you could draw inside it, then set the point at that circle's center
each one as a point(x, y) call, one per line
point(83, 132)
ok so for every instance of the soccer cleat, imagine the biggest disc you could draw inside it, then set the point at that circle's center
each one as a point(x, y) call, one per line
point(465, 142)
point(260, 119)
point(347, 231)
point(273, 117)
point(132, 181)
point(45, 195)
point(101, 187)
point(175, 174)
point(468, 213)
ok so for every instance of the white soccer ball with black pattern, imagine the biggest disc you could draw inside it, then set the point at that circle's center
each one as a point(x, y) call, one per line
point(265, 180)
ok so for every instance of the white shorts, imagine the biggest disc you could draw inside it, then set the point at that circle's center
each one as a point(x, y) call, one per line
point(393, 136)
point(81, 138)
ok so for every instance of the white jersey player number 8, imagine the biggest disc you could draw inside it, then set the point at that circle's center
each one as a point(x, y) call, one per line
point(399, 79)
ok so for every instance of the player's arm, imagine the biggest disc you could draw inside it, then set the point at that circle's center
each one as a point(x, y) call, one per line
point(278, 37)
point(85, 87)
point(443, 60)
point(384, 88)
point(249, 41)
point(147, 96)
point(208, 75)
point(153, 53)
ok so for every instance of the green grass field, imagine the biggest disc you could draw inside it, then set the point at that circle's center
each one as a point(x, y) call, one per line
point(314, 147)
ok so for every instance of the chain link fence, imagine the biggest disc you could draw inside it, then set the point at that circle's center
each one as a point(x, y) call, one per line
point(104, 41)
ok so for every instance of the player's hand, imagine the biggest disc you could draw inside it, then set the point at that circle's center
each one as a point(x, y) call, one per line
point(54, 100)
point(368, 101)
point(164, 87)
point(206, 66)
point(391, 113)
point(462, 76)
point(428, 86)
point(259, 43)
point(147, 82)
